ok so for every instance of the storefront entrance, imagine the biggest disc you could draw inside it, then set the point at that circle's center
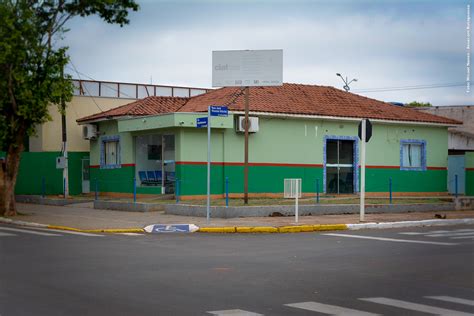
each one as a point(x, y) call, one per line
point(340, 166)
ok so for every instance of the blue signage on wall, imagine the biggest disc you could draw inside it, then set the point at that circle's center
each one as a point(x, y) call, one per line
point(219, 110)
point(201, 122)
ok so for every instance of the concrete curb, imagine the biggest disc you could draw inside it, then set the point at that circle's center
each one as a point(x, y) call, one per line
point(429, 222)
point(262, 229)
point(271, 229)
point(306, 209)
point(55, 227)
point(328, 227)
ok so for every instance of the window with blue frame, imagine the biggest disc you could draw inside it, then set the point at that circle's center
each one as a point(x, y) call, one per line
point(110, 152)
point(413, 154)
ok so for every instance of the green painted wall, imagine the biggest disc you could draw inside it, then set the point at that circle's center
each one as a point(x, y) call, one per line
point(377, 180)
point(470, 173)
point(285, 141)
point(269, 179)
point(261, 179)
point(36, 165)
point(113, 180)
point(301, 141)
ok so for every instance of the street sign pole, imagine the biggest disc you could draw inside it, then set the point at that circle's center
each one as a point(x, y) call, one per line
point(362, 170)
point(208, 208)
point(246, 148)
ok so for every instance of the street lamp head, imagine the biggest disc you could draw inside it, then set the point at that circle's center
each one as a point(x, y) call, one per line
point(338, 74)
point(355, 80)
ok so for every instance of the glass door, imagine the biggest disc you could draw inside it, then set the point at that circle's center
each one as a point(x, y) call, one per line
point(339, 166)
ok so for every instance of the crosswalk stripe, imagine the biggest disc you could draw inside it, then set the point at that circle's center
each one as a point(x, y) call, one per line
point(234, 312)
point(28, 231)
point(6, 234)
point(462, 237)
point(414, 306)
point(451, 234)
point(393, 239)
point(329, 309)
point(452, 299)
point(72, 232)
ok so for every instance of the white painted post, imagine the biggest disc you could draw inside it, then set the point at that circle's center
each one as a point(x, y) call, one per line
point(362, 171)
point(163, 176)
point(208, 208)
point(296, 199)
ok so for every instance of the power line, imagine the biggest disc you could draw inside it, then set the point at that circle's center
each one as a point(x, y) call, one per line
point(77, 72)
point(103, 83)
point(413, 87)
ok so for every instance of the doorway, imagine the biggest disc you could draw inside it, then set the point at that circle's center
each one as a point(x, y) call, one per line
point(456, 167)
point(85, 175)
point(340, 166)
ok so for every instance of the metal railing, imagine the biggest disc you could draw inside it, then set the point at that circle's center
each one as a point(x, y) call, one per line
point(131, 90)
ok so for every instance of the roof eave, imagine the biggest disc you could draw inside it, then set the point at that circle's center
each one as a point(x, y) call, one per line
point(345, 118)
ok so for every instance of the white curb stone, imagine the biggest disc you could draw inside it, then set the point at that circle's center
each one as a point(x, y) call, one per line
point(429, 222)
point(21, 223)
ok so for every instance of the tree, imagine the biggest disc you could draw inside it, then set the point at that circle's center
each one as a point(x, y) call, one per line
point(31, 70)
point(416, 104)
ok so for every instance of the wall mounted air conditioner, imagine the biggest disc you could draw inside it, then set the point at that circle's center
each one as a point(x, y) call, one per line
point(253, 128)
point(89, 131)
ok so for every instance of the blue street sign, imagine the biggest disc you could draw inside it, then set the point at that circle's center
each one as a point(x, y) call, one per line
point(201, 122)
point(219, 110)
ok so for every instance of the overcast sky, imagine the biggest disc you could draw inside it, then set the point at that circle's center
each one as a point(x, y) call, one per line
point(384, 44)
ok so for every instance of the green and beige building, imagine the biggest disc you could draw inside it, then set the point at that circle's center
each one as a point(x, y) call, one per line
point(297, 131)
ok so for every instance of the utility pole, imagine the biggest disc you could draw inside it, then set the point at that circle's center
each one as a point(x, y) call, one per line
point(64, 138)
point(246, 147)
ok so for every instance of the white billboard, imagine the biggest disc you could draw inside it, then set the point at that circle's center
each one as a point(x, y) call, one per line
point(242, 68)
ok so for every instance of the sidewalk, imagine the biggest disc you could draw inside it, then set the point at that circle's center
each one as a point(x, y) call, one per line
point(84, 216)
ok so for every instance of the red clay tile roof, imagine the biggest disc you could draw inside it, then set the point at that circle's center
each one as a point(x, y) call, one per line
point(309, 100)
point(286, 99)
point(143, 107)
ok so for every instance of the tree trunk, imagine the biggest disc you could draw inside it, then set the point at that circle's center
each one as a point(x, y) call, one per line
point(9, 174)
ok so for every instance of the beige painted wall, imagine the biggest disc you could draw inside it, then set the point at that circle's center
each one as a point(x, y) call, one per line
point(49, 136)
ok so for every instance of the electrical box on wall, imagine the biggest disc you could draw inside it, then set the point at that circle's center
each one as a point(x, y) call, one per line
point(61, 162)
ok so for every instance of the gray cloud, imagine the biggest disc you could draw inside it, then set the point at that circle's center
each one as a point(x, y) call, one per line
point(383, 45)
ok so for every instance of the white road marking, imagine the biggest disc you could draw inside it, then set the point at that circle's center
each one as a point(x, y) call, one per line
point(414, 306)
point(462, 237)
point(463, 230)
point(424, 233)
point(70, 232)
point(393, 239)
point(28, 231)
point(329, 309)
point(6, 234)
point(234, 312)
point(450, 234)
point(452, 299)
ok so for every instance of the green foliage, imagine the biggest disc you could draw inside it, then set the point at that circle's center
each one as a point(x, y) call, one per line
point(32, 61)
point(419, 104)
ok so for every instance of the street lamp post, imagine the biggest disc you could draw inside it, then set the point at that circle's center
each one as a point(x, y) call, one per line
point(346, 82)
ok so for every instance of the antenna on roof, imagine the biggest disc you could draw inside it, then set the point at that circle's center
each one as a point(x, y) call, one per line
point(346, 82)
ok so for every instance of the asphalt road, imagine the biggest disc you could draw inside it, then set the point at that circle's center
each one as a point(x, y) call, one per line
point(415, 271)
